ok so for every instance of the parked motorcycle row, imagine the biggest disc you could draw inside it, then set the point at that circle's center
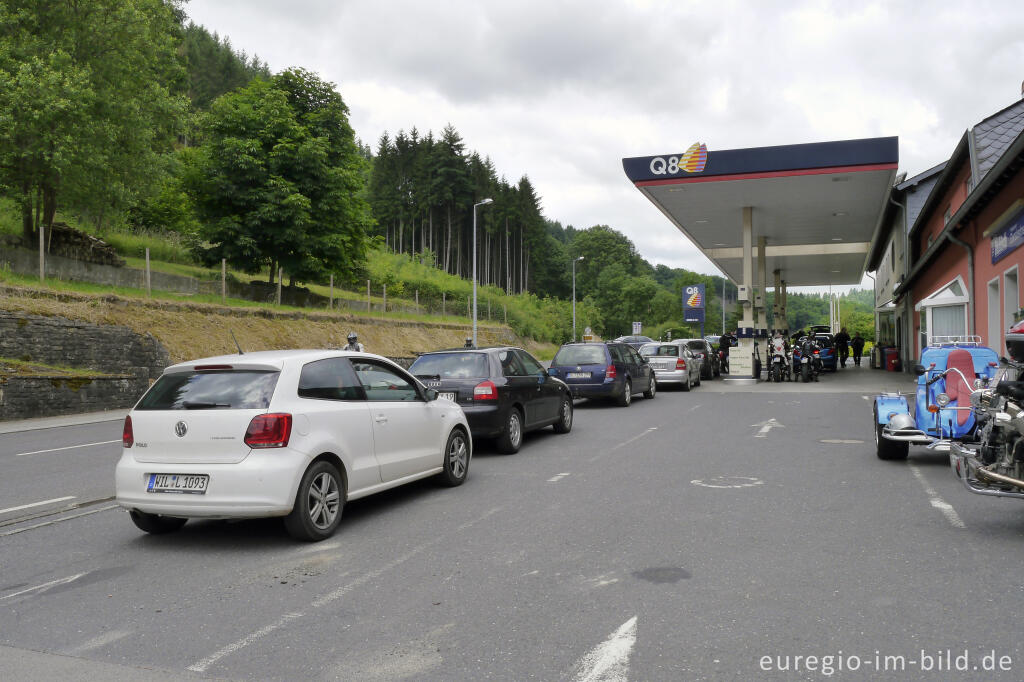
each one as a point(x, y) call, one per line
point(969, 403)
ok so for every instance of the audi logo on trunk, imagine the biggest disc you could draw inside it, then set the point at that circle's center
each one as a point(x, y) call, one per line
point(181, 428)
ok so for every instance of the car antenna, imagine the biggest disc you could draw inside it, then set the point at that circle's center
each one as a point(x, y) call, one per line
point(240, 351)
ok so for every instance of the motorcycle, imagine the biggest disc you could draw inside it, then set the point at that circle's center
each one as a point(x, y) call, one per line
point(779, 363)
point(994, 464)
point(808, 356)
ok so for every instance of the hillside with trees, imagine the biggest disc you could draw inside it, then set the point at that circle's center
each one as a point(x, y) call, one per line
point(123, 117)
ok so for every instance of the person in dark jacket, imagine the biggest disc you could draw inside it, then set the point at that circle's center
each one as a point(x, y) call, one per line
point(858, 347)
point(725, 342)
point(842, 342)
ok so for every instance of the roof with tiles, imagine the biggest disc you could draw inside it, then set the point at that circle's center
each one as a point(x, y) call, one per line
point(994, 135)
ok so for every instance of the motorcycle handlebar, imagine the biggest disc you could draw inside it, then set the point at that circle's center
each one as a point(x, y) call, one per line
point(943, 374)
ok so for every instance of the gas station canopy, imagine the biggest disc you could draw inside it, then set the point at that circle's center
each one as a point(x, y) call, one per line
point(814, 207)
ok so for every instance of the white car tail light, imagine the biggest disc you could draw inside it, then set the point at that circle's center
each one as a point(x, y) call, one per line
point(269, 431)
point(127, 434)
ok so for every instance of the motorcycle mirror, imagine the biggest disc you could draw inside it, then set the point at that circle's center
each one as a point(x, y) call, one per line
point(919, 369)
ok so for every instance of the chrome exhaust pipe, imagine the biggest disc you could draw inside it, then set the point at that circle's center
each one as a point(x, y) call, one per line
point(1000, 478)
point(963, 467)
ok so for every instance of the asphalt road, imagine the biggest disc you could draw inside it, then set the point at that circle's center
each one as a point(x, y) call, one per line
point(686, 538)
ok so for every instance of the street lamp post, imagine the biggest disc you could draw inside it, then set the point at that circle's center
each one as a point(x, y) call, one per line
point(574, 261)
point(480, 203)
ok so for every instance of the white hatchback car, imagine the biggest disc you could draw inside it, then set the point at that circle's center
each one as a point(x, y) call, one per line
point(283, 433)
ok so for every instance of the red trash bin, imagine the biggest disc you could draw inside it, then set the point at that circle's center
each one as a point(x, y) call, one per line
point(892, 359)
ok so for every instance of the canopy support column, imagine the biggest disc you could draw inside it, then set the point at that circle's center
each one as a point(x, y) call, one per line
point(741, 359)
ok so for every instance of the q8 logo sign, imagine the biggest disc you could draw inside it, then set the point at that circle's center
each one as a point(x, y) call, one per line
point(693, 303)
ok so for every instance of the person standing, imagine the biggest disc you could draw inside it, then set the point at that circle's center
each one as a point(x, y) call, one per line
point(724, 344)
point(353, 344)
point(842, 341)
point(858, 347)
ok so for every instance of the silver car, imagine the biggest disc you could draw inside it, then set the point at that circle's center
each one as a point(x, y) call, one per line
point(673, 363)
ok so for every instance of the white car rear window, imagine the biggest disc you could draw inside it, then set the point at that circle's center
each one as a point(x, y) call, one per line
point(233, 389)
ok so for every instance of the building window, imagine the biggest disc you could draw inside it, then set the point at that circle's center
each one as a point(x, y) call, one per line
point(944, 313)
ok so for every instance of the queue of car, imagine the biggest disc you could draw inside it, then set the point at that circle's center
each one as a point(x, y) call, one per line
point(297, 434)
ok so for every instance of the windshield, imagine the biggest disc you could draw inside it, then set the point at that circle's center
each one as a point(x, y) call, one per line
point(239, 390)
point(451, 365)
point(668, 350)
point(579, 355)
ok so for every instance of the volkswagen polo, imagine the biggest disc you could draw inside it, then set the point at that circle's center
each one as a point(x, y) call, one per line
point(294, 434)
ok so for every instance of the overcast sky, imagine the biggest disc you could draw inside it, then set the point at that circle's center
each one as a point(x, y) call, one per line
point(562, 90)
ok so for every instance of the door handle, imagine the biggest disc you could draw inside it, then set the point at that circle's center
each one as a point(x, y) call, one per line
point(380, 419)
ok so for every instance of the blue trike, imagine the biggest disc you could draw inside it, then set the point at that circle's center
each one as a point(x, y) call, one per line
point(950, 370)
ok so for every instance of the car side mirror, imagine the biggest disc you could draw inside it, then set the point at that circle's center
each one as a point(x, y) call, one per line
point(919, 369)
point(431, 394)
point(552, 371)
point(542, 376)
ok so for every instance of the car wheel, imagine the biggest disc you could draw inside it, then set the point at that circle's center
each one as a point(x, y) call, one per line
point(697, 382)
point(564, 423)
point(155, 523)
point(627, 394)
point(686, 383)
point(885, 448)
point(318, 504)
point(456, 459)
point(718, 370)
point(653, 390)
point(511, 439)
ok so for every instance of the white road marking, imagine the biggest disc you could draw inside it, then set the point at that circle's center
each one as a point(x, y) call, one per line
point(842, 441)
point(63, 518)
point(97, 642)
point(323, 600)
point(69, 447)
point(694, 408)
point(45, 586)
point(766, 427)
point(728, 482)
point(202, 665)
point(609, 662)
point(558, 477)
point(936, 501)
point(866, 397)
point(624, 443)
point(37, 504)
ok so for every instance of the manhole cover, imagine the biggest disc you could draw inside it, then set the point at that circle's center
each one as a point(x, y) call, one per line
point(728, 482)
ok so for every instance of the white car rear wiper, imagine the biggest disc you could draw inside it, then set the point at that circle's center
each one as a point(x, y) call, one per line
point(190, 405)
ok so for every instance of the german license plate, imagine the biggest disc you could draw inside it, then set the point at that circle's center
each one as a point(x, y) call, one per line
point(578, 375)
point(447, 396)
point(178, 483)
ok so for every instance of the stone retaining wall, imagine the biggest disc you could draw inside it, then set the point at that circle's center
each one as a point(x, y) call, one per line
point(46, 396)
point(128, 359)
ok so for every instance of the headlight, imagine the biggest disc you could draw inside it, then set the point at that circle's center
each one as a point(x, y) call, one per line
point(942, 400)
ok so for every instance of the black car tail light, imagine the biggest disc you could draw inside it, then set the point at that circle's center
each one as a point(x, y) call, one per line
point(485, 390)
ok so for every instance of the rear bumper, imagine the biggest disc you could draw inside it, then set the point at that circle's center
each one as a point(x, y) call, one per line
point(675, 376)
point(485, 421)
point(610, 389)
point(263, 484)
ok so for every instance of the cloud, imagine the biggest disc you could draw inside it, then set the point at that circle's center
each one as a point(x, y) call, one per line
point(562, 90)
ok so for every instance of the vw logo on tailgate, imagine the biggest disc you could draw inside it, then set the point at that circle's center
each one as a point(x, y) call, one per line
point(181, 428)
